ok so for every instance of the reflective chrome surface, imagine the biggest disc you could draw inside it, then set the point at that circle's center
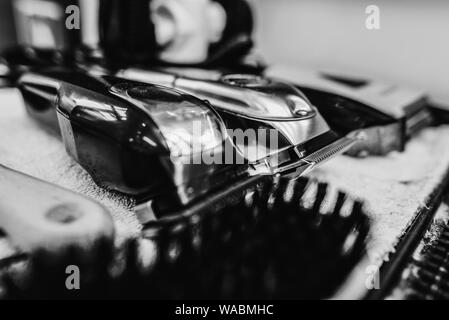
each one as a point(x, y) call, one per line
point(257, 99)
point(320, 156)
point(188, 128)
point(388, 114)
point(247, 95)
point(251, 96)
point(391, 99)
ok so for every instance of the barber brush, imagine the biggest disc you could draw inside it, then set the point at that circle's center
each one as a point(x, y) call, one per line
point(281, 239)
point(45, 227)
point(263, 246)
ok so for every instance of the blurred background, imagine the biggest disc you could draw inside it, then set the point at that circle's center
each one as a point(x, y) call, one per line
point(410, 48)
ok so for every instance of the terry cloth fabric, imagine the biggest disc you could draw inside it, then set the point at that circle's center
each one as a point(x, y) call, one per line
point(393, 187)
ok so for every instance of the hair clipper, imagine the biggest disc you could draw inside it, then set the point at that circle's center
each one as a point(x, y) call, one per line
point(388, 115)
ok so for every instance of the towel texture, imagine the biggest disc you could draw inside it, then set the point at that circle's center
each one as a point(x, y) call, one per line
point(393, 187)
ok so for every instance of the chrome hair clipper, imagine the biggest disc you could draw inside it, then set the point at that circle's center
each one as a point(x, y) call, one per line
point(153, 142)
point(387, 114)
point(246, 101)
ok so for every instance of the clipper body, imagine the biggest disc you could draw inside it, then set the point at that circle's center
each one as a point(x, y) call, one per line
point(248, 101)
point(135, 138)
point(387, 114)
point(157, 143)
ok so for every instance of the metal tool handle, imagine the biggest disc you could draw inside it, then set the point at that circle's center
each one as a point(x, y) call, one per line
point(37, 215)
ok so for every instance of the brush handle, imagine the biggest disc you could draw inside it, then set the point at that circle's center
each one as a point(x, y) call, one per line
point(37, 215)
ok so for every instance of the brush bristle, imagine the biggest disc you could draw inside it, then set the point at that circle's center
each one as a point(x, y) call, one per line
point(274, 243)
point(277, 242)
